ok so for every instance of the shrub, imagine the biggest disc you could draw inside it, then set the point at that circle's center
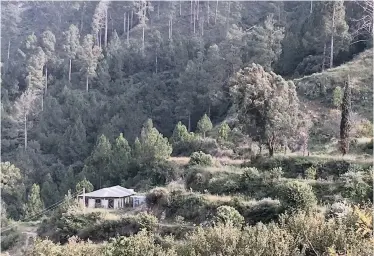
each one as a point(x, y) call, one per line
point(296, 195)
point(224, 131)
point(310, 173)
point(196, 143)
point(227, 214)
point(274, 174)
point(200, 158)
point(157, 197)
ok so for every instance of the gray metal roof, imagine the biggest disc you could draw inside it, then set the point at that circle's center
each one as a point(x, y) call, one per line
point(115, 191)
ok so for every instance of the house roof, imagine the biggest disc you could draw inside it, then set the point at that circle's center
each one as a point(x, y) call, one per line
point(115, 191)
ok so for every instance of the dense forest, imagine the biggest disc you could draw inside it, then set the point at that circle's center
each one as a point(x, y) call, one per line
point(109, 90)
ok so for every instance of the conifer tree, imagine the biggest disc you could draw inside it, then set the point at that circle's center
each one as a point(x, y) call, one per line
point(345, 123)
point(49, 191)
point(204, 125)
point(98, 163)
point(34, 203)
point(264, 43)
point(224, 131)
point(86, 184)
point(180, 133)
point(337, 97)
point(71, 45)
point(121, 157)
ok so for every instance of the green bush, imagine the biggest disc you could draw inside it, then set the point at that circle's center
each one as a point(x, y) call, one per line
point(195, 144)
point(197, 179)
point(157, 197)
point(200, 158)
point(310, 173)
point(295, 195)
point(227, 214)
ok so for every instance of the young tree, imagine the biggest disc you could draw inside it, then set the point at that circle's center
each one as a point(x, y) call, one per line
point(121, 157)
point(86, 184)
point(264, 43)
point(224, 131)
point(345, 123)
point(267, 105)
point(98, 163)
point(49, 191)
point(152, 145)
point(337, 97)
point(71, 45)
point(89, 56)
point(204, 125)
point(34, 203)
point(180, 133)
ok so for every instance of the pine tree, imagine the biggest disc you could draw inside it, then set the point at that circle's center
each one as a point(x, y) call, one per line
point(34, 203)
point(121, 157)
point(98, 163)
point(86, 184)
point(49, 191)
point(154, 147)
point(264, 43)
point(204, 125)
point(345, 123)
point(180, 134)
point(71, 45)
point(89, 55)
point(224, 131)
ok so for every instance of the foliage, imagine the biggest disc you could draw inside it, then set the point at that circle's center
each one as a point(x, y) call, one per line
point(296, 195)
point(34, 204)
point(224, 131)
point(204, 125)
point(345, 123)
point(200, 158)
point(273, 116)
point(84, 184)
point(157, 197)
point(311, 173)
point(227, 214)
point(337, 97)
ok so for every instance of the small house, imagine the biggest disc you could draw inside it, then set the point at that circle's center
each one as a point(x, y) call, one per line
point(115, 197)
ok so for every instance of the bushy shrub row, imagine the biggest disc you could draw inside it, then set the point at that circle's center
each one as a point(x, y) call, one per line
point(297, 166)
point(298, 234)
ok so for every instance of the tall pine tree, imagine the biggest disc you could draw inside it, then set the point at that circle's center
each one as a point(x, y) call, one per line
point(345, 124)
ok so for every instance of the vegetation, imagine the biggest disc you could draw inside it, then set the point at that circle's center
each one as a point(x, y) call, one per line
point(178, 100)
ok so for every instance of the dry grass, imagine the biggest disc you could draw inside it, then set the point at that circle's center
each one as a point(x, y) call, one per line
point(217, 198)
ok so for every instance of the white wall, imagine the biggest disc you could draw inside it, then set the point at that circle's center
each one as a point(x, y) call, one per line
point(91, 203)
point(104, 203)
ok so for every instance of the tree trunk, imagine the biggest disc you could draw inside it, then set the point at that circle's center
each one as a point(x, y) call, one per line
point(191, 13)
point(132, 17)
point(171, 27)
point(311, 6)
point(156, 61)
point(143, 40)
point(128, 29)
point(124, 22)
point(82, 15)
point(202, 26)
point(180, 7)
point(87, 83)
point(25, 131)
point(100, 38)
point(208, 13)
point(198, 9)
point(46, 79)
point(158, 10)
point(42, 102)
point(215, 16)
point(69, 69)
point(8, 55)
point(106, 28)
point(271, 150)
point(332, 38)
point(189, 122)
point(324, 58)
point(228, 17)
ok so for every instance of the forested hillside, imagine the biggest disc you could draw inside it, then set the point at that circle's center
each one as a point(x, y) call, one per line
point(96, 89)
